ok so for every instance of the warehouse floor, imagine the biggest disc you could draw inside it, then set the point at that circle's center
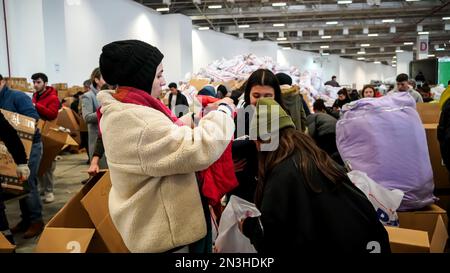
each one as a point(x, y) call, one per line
point(69, 173)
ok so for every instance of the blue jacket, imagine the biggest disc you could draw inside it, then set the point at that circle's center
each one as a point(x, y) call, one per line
point(19, 102)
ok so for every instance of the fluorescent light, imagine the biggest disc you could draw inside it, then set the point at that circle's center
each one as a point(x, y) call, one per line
point(394, 62)
point(388, 20)
point(287, 48)
point(325, 54)
point(440, 49)
point(399, 51)
point(423, 33)
point(445, 18)
point(326, 37)
point(162, 9)
point(332, 23)
point(365, 45)
point(243, 26)
point(361, 52)
point(377, 62)
point(280, 4)
point(324, 46)
point(281, 39)
point(203, 28)
point(412, 0)
point(361, 58)
point(215, 6)
point(408, 43)
point(372, 34)
point(394, 65)
point(279, 25)
point(395, 57)
point(431, 56)
point(342, 2)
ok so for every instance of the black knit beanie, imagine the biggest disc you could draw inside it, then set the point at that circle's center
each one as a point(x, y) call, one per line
point(130, 63)
point(284, 78)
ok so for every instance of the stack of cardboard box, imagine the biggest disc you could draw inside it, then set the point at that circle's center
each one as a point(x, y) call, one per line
point(20, 84)
point(429, 114)
point(84, 224)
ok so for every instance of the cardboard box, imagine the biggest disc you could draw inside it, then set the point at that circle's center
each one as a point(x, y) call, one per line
point(66, 118)
point(419, 232)
point(25, 127)
point(5, 245)
point(199, 83)
point(440, 172)
point(53, 142)
point(96, 204)
point(71, 230)
point(428, 112)
point(434, 209)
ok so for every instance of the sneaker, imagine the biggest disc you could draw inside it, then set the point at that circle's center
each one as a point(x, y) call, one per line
point(34, 230)
point(20, 227)
point(49, 197)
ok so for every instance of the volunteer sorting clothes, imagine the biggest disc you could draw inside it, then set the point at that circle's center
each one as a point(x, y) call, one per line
point(151, 155)
point(307, 202)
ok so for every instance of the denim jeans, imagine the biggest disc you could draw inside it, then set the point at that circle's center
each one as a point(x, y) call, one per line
point(47, 180)
point(31, 206)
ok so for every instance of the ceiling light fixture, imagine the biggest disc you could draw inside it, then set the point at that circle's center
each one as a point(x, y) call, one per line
point(408, 43)
point(279, 25)
point(281, 39)
point(243, 26)
point(215, 6)
point(423, 33)
point(162, 9)
point(326, 37)
point(280, 4)
point(332, 23)
point(203, 28)
point(324, 46)
point(372, 34)
point(388, 21)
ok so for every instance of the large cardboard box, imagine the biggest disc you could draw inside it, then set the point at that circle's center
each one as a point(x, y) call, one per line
point(25, 127)
point(440, 173)
point(96, 204)
point(428, 112)
point(5, 245)
point(419, 232)
point(53, 141)
point(71, 230)
point(66, 118)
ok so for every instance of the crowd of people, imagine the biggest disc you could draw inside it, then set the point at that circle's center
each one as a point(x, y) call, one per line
point(260, 142)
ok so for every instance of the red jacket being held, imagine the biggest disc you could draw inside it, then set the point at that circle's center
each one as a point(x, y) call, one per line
point(47, 105)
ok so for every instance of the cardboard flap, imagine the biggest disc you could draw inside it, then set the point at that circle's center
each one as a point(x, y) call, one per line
point(96, 204)
point(408, 240)
point(428, 112)
point(73, 215)
point(65, 240)
point(419, 221)
point(5, 245)
point(439, 238)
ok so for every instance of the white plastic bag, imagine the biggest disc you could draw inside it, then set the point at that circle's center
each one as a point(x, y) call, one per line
point(230, 238)
point(385, 201)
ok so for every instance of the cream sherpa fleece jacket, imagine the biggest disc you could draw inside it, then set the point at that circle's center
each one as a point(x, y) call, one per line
point(154, 200)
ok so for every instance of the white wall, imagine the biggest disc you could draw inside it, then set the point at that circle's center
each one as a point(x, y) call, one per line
point(264, 48)
point(403, 60)
point(96, 23)
point(208, 46)
point(26, 37)
point(177, 47)
point(55, 41)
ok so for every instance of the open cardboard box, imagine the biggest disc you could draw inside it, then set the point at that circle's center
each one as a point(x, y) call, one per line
point(25, 127)
point(440, 172)
point(66, 118)
point(71, 230)
point(5, 245)
point(428, 112)
point(420, 231)
point(53, 142)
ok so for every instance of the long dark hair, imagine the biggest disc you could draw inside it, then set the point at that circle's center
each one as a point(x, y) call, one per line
point(309, 157)
point(263, 77)
point(368, 86)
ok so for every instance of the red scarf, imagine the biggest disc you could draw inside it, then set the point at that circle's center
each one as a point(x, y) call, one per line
point(219, 178)
point(132, 95)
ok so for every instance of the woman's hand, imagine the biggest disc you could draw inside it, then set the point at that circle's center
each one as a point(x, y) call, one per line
point(94, 168)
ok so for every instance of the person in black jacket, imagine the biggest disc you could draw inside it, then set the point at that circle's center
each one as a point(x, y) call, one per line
point(176, 99)
point(307, 203)
point(15, 147)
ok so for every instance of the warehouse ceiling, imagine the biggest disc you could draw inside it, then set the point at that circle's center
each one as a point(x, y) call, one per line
point(370, 29)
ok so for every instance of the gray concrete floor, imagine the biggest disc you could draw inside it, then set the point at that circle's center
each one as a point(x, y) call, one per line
point(69, 173)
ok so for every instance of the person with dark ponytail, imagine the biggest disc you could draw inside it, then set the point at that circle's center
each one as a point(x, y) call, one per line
point(307, 202)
